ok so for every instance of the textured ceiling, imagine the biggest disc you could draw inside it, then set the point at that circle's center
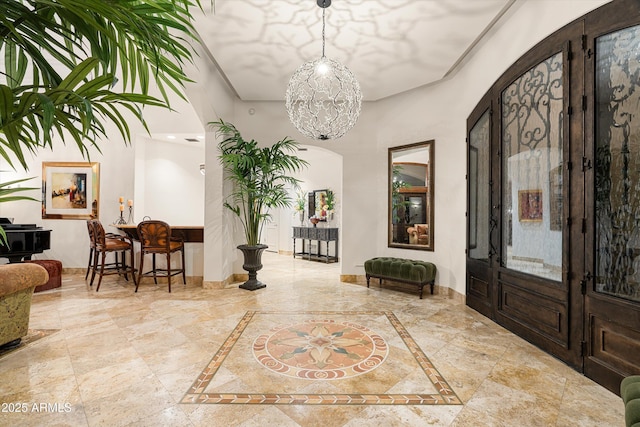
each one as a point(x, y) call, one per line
point(391, 46)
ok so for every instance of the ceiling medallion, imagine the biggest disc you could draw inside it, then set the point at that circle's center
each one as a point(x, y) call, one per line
point(323, 96)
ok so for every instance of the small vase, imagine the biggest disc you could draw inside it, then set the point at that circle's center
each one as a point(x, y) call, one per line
point(301, 213)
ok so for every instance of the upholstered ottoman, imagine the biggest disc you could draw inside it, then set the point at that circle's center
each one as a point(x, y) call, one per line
point(402, 270)
point(630, 393)
point(54, 268)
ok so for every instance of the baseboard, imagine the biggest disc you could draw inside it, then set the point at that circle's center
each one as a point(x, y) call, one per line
point(175, 280)
point(226, 283)
point(353, 278)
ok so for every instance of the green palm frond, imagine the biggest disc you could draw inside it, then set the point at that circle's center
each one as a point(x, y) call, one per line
point(330, 200)
point(60, 62)
point(8, 194)
point(79, 107)
point(139, 38)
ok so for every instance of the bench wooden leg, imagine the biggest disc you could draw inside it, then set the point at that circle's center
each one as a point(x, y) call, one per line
point(368, 280)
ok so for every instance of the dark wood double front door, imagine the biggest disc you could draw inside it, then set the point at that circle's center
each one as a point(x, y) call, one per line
point(553, 249)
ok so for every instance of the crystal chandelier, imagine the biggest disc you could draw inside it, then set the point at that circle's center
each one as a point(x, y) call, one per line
point(323, 96)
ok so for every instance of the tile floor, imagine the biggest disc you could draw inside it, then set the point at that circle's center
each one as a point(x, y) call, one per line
point(119, 358)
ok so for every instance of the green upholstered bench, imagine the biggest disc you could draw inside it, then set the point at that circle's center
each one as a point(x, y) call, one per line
point(402, 270)
point(630, 393)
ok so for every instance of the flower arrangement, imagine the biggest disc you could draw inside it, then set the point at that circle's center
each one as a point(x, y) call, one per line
point(299, 202)
point(330, 202)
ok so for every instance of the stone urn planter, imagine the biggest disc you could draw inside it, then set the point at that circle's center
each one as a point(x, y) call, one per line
point(252, 263)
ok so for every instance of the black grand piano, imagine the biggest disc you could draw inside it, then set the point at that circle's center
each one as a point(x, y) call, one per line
point(24, 240)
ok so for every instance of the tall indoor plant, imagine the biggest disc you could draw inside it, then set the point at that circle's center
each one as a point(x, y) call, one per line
point(61, 59)
point(261, 181)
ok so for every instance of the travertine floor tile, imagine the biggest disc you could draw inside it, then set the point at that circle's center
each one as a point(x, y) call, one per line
point(125, 358)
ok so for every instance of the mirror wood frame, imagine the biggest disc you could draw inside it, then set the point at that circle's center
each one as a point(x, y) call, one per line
point(427, 191)
point(312, 202)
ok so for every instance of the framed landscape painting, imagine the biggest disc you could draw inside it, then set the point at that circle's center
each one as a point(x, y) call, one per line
point(70, 190)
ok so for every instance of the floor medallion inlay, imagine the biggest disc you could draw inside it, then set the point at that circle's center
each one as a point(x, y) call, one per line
point(296, 347)
point(320, 350)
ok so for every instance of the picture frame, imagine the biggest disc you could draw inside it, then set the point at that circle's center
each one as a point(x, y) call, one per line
point(530, 205)
point(70, 190)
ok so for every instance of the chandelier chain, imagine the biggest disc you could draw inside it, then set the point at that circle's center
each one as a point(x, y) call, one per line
point(323, 12)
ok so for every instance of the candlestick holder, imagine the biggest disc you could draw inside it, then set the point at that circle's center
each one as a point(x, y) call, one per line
point(121, 220)
point(130, 220)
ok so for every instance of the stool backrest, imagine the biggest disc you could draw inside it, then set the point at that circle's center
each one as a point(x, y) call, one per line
point(98, 232)
point(92, 239)
point(154, 234)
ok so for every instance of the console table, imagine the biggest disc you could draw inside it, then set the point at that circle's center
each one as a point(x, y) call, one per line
point(320, 235)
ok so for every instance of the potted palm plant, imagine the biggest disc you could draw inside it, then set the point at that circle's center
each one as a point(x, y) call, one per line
point(261, 179)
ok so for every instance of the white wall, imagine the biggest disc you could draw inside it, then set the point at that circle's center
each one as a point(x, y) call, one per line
point(212, 99)
point(323, 173)
point(174, 186)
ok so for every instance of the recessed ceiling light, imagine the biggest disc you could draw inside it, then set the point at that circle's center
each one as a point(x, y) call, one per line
point(200, 136)
point(171, 137)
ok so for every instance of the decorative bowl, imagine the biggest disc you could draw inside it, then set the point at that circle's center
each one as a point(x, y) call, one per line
point(314, 221)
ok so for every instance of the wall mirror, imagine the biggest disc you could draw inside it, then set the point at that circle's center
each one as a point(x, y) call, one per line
point(317, 199)
point(411, 196)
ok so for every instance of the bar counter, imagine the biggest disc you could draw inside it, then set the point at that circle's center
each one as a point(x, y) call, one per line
point(188, 233)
